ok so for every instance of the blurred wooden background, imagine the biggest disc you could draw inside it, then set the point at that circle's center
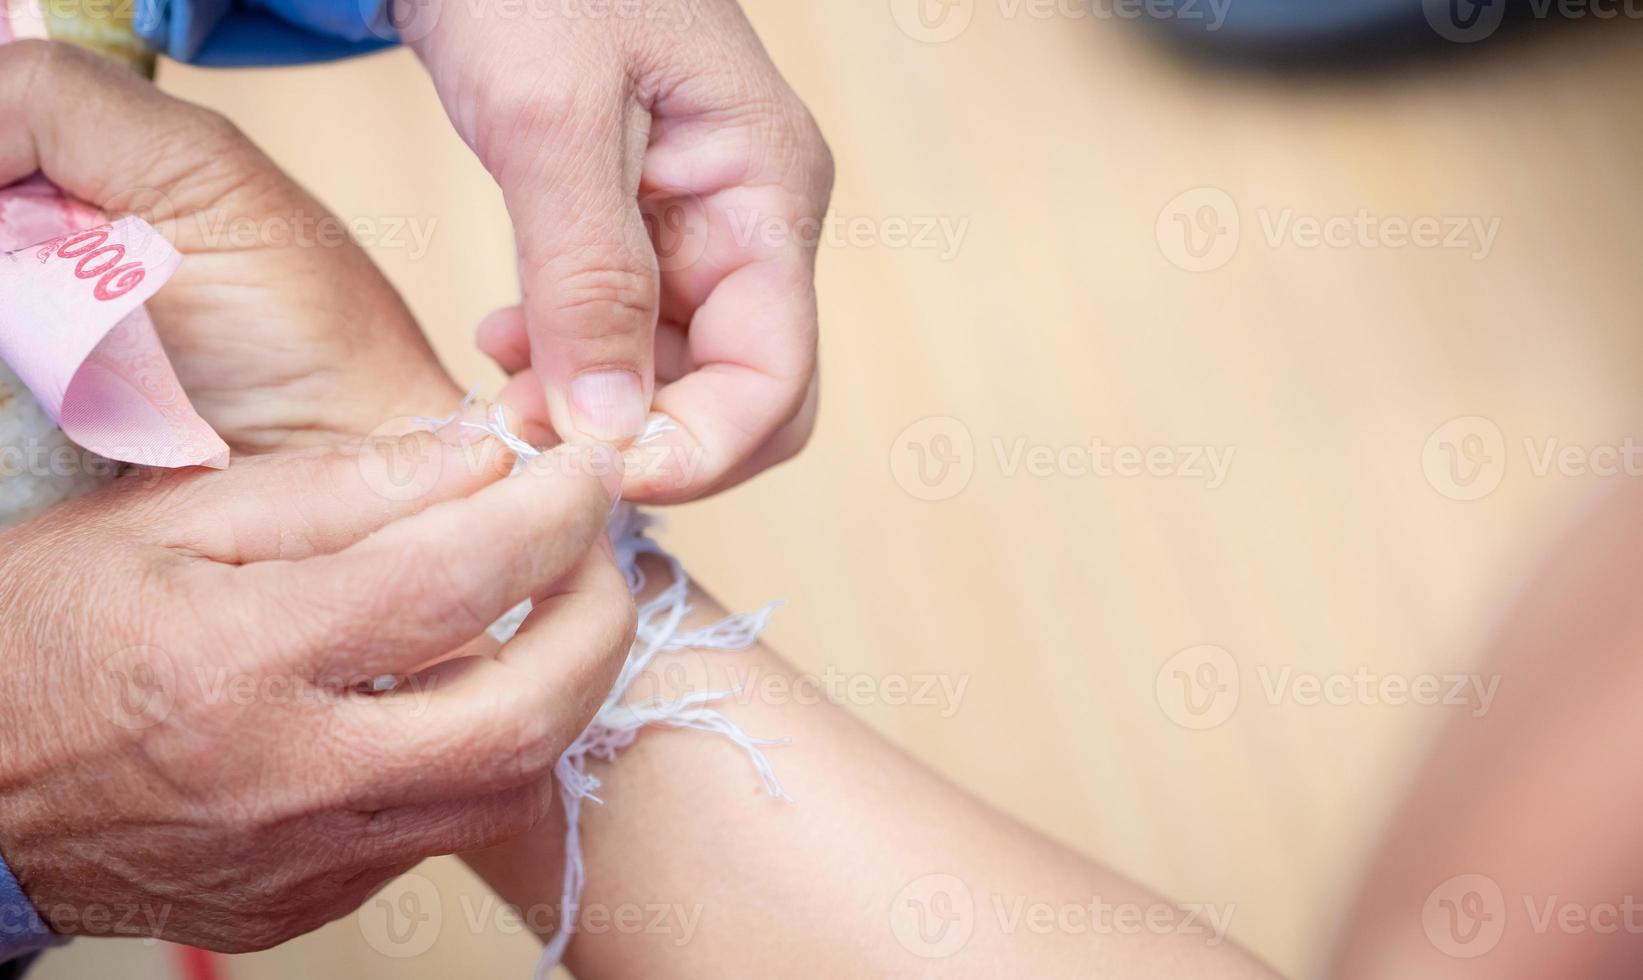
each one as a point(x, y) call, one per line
point(1054, 311)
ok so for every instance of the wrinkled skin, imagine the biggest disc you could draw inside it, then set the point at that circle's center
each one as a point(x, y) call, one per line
point(188, 745)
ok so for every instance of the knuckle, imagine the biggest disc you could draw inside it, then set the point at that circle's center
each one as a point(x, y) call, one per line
point(624, 625)
point(574, 101)
point(35, 59)
point(602, 300)
point(583, 513)
point(518, 816)
point(594, 666)
point(433, 591)
point(214, 128)
point(513, 108)
point(576, 510)
point(45, 63)
point(535, 743)
point(815, 149)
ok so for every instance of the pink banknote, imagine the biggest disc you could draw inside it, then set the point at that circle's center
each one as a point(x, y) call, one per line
point(73, 328)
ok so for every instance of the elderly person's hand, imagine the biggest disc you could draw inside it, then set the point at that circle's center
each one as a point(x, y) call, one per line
point(196, 738)
point(281, 329)
point(659, 113)
point(187, 738)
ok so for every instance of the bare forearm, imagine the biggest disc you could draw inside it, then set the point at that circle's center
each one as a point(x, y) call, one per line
point(880, 868)
point(1516, 854)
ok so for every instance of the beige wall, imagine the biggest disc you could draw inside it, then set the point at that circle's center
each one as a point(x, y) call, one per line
point(1060, 318)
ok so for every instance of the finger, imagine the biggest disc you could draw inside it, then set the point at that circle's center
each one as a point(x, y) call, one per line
point(424, 585)
point(745, 195)
point(461, 823)
point(297, 505)
point(753, 342)
point(522, 396)
point(588, 270)
point(503, 338)
point(109, 137)
point(486, 725)
point(784, 445)
point(576, 635)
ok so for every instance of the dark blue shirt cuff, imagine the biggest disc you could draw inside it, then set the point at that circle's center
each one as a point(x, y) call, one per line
point(22, 932)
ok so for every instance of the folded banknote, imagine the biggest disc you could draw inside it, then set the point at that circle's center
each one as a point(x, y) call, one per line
point(73, 328)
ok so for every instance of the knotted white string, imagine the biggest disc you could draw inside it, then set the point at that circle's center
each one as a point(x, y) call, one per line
point(616, 725)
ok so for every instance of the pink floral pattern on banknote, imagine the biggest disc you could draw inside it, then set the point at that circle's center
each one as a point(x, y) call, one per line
point(73, 328)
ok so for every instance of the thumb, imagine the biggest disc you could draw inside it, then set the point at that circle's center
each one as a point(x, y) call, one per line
point(587, 266)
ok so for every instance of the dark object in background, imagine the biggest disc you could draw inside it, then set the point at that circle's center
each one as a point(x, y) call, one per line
point(1325, 32)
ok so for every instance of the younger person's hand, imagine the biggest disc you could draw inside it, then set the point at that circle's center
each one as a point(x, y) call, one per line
point(667, 189)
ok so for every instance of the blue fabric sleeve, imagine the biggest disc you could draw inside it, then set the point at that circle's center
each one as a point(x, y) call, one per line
point(264, 32)
point(22, 933)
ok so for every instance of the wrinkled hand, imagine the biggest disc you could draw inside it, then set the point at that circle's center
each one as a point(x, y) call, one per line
point(666, 186)
point(281, 329)
point(185, 748)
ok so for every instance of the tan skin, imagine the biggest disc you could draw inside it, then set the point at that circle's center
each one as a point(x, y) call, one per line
point(343, 355)
point(821, 882)
point(1515, 854)
point(129, 782)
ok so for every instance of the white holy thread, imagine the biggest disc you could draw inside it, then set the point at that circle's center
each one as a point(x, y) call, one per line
point(616, 725)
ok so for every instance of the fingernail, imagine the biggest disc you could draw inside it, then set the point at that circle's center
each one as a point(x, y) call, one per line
point(454, 433)
point(457, 434)
point(608, 405)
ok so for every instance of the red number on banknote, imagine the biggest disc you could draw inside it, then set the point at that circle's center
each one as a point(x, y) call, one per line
point(101, 261)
